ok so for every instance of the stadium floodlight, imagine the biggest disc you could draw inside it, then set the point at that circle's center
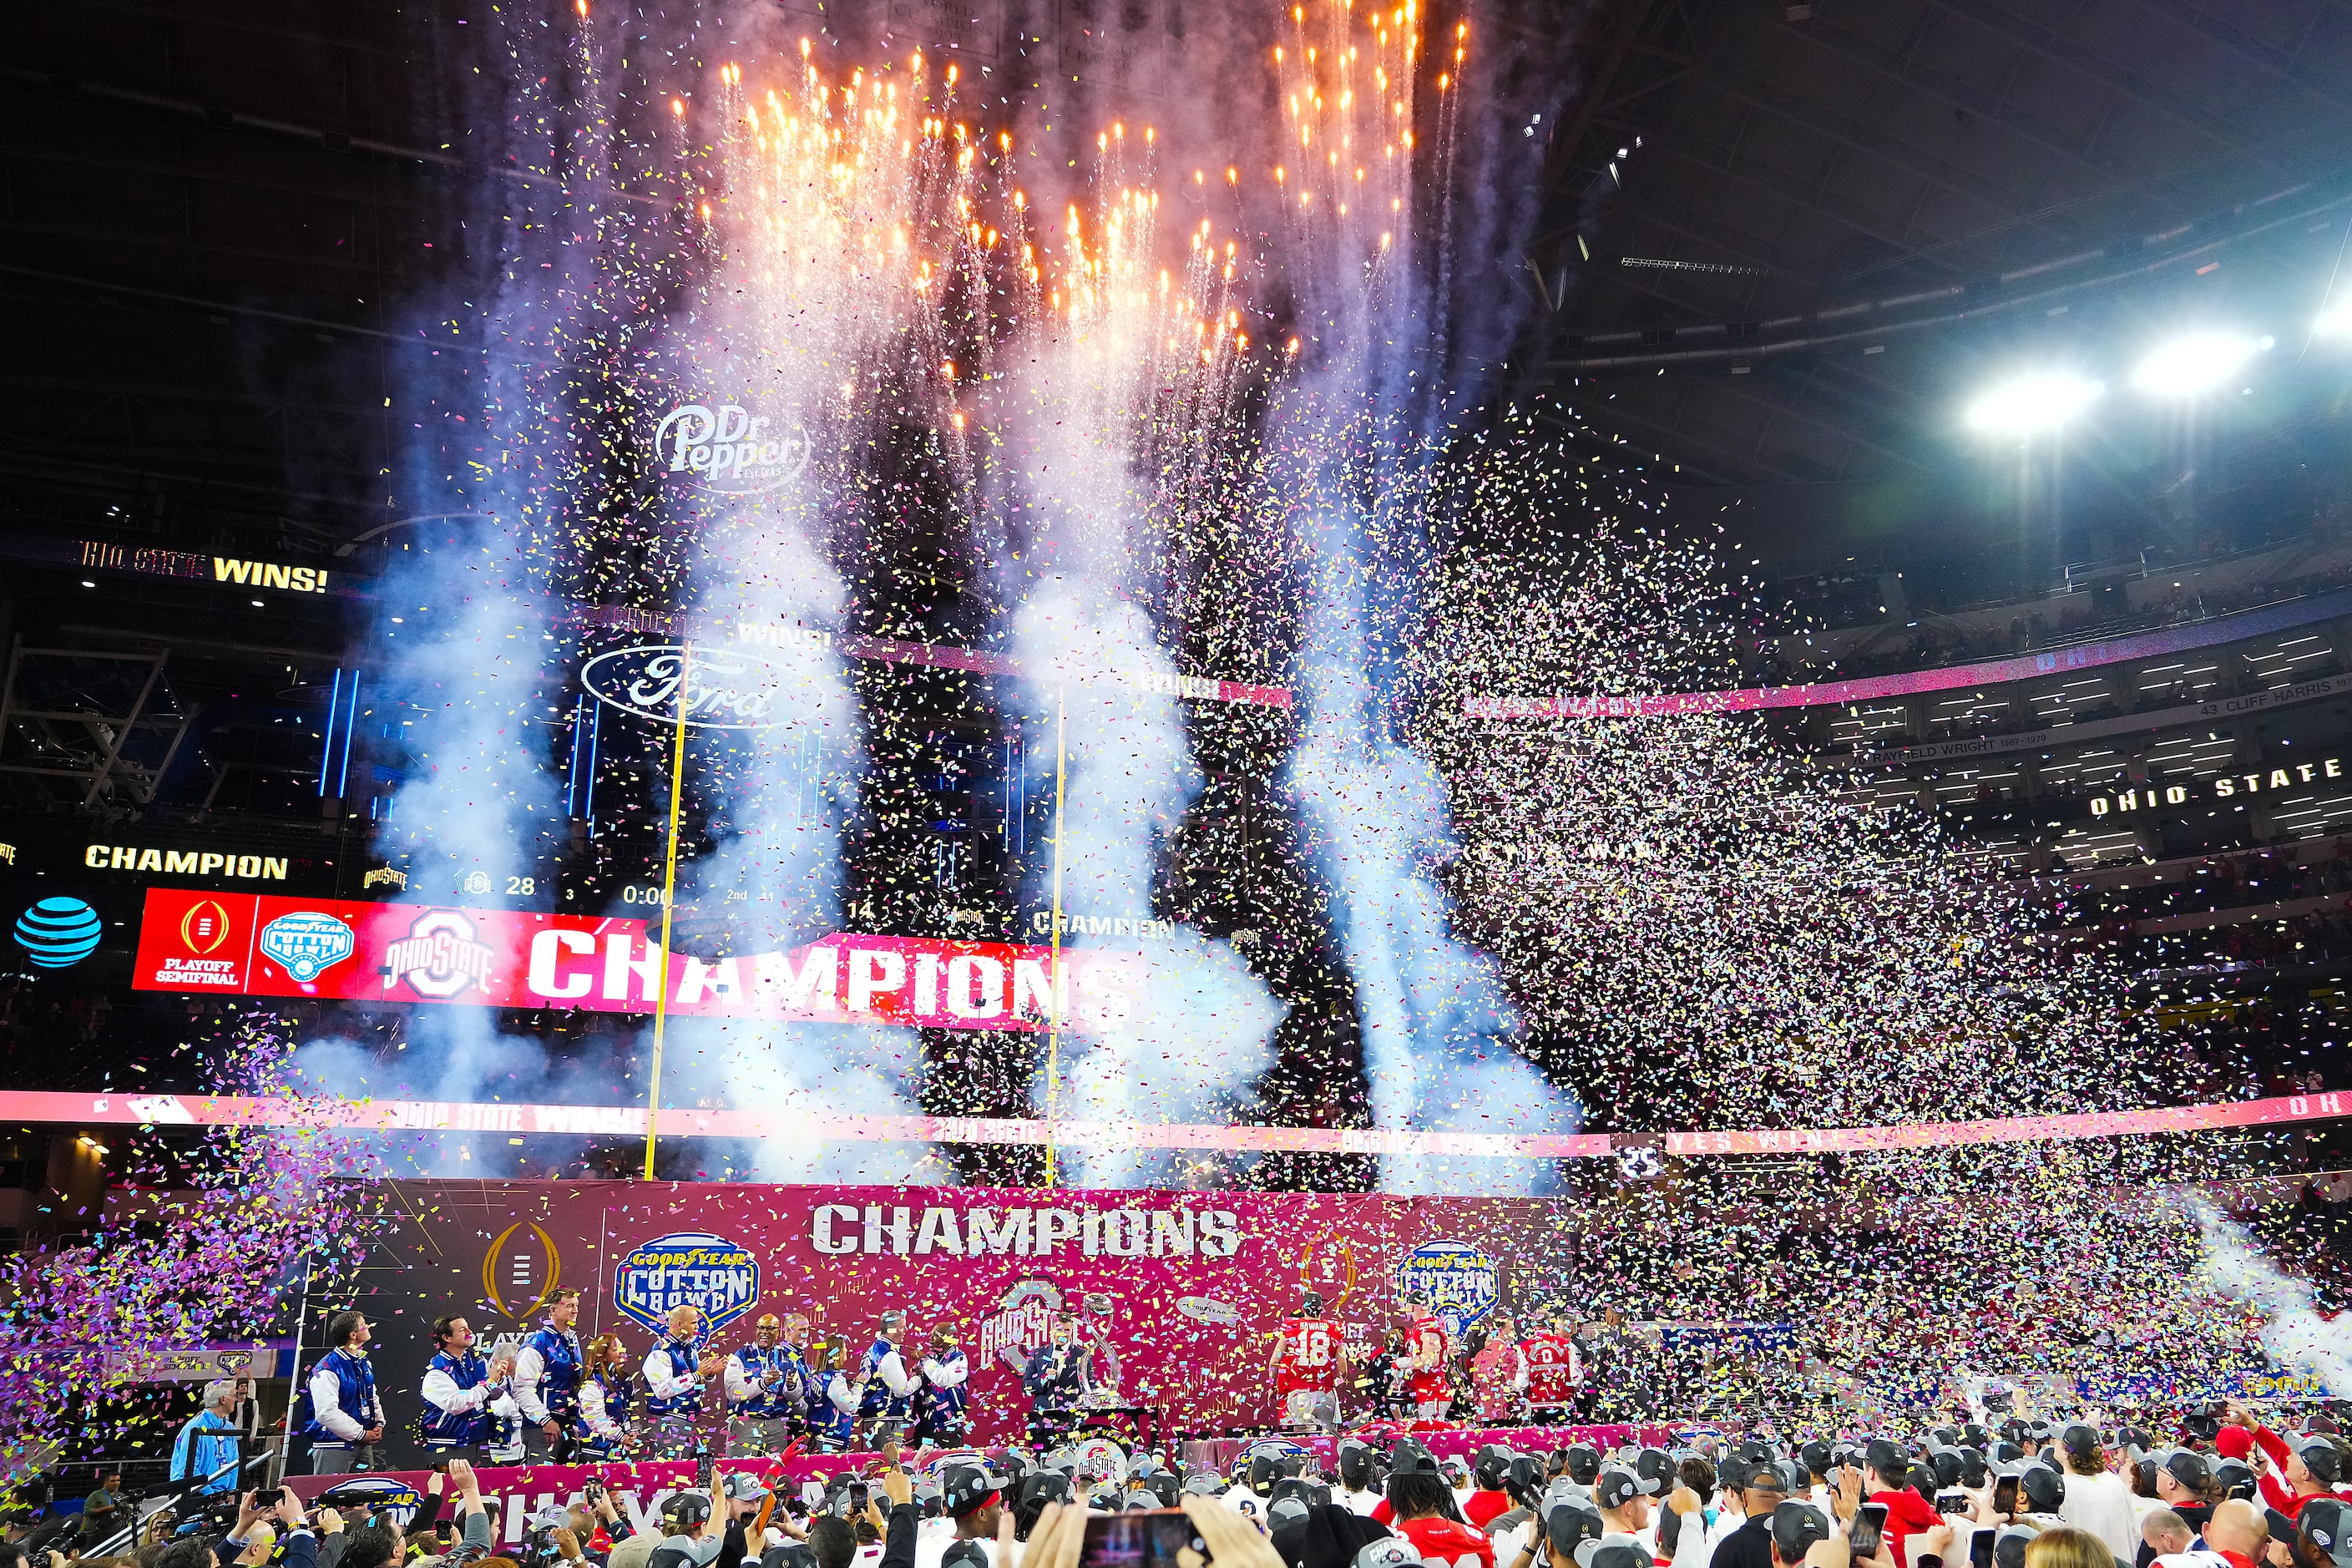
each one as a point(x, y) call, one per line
point(2335, 321)
point(2195, 363)
point(2043, 401)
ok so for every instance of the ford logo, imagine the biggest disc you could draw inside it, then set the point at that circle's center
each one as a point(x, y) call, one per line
point(718, 688)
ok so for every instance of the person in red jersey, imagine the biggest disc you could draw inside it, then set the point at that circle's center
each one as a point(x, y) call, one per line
point(2301, 1468)
point(1310, 1355)
point(1554, 1370)
point(1425, 1513)
point(1425, 1346)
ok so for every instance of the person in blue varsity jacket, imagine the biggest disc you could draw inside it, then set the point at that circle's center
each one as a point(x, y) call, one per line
point(943, 1416)
point(889, 1383)
point(605, 1399)
point(763, 1389)
point(458, 1388)
point(346, 1416)
point(832, 1409)
point(546, 1373)
point(676, 1370)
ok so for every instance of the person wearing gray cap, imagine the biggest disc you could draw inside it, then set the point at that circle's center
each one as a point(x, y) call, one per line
point(2098, 1499)
point(2305, 1467)
point(1623, 1497)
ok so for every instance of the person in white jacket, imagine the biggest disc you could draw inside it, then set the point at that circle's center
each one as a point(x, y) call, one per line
point(943, 1414)
point(837, 1420)
point(763, 1391)
point(605, 1399)
point(2098, 1499)
point(890, 1384)
point(676, 1370)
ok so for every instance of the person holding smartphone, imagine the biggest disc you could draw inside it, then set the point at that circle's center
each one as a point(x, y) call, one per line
point(1884, 1479)
point(2305, 1467)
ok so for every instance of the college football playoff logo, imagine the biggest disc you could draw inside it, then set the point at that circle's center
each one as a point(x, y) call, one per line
point(521, 1270)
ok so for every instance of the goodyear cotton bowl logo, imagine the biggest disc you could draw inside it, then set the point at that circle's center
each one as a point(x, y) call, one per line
point(397, 1499)
point(729, 451)
point(689, 1270)
point(305, 944)
point(438, 957)
point(1460, 1280)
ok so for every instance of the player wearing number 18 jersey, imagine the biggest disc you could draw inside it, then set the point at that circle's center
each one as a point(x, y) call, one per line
point(1310, 1354)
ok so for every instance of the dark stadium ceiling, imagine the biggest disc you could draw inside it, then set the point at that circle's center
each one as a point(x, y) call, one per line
point(1993, 161)
point(219, 219)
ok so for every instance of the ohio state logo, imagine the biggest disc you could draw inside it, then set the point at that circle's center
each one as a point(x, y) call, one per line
point(439, 957)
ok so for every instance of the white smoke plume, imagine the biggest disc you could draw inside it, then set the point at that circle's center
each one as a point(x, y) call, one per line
point(2294, 1333)
point(1202, 1036)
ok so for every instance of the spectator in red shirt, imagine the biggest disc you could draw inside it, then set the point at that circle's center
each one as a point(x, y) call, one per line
point(1489, 1470)
point(1426, 1516)
point(2305, 1467)
point(2235, 1532)
point(1884, 1468)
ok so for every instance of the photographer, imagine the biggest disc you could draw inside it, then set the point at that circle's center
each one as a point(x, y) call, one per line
point(301, 1549)
point(101, 1511)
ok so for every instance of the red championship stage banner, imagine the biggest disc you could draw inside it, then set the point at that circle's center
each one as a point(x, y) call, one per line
point(266, 945)
point(1180, 1294)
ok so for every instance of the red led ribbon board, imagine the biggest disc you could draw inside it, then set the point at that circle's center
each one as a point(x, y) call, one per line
point(263, 944)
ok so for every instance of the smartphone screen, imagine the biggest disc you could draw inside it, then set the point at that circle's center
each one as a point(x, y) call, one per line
point(1143, 1538)
point(2004, 1495)
point(1869, 1528)
point(1981, 1547)
point(1952, 1502)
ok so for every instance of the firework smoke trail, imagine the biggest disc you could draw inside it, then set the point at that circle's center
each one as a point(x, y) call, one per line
point(827, 269)
point(1438, 1034)
point(467, 618)
point(1111, 339)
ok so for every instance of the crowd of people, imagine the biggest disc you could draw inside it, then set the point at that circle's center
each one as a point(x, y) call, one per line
point(1994, 1486)
point(551, 1397)
point(1838, 600)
